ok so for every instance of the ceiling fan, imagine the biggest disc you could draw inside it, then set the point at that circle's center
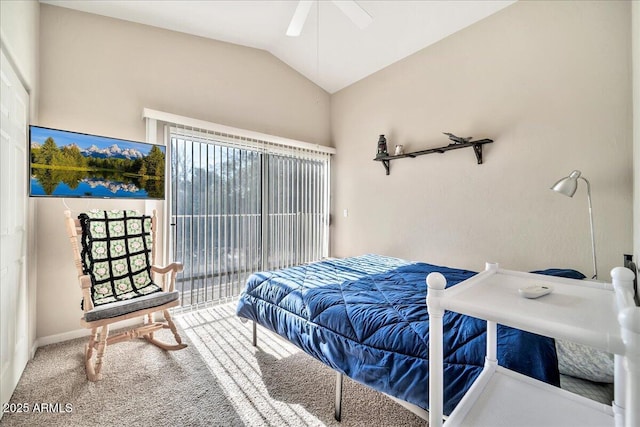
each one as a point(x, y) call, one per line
point(352, 9)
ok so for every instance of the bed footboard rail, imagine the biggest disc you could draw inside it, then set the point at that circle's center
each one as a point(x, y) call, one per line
point(436, 283)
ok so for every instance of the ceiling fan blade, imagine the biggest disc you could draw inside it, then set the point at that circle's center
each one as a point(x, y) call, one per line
point(355, 12)
point(299, 18)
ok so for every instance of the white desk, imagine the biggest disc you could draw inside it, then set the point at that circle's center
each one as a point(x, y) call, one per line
point(581, 311)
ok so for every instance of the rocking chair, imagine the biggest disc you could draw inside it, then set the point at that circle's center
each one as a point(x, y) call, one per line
point(115, 260)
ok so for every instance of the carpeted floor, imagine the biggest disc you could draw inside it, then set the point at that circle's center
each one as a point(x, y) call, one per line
point(219, 380)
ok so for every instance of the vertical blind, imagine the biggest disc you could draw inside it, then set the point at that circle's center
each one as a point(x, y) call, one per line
point(242, 205)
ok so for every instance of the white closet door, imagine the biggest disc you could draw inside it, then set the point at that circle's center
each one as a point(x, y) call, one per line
point(14, 320)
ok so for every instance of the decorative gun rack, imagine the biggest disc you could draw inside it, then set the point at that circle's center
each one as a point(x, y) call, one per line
point(477, 148)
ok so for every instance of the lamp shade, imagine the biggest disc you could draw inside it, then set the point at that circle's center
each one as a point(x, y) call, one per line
point(567, 185)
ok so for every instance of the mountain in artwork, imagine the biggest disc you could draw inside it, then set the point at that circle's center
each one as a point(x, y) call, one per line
point(112, 151)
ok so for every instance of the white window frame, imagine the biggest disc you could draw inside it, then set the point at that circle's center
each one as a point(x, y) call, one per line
point(159, 123)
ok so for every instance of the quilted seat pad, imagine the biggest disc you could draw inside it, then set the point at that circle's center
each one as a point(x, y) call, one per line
point(119, 308)
point(366, 317)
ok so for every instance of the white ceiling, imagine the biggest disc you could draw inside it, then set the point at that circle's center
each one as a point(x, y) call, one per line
point(333, 54)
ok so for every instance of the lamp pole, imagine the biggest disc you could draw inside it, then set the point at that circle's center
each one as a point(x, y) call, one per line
point(568, 186)
point(593, 237)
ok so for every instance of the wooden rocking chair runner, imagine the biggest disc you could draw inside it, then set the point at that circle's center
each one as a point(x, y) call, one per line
point(102, 308)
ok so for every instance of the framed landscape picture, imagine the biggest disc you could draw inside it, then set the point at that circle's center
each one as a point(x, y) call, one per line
point(71, 164)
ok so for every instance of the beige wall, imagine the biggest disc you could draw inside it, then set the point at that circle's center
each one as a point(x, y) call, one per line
point(550, 83)
point(97, 76)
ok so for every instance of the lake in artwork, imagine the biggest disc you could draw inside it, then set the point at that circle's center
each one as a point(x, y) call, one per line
point(70, 164)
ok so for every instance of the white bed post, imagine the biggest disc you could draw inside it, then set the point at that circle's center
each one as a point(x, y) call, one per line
point(626, 399)
point(491, 359)
point(630, 322)
point(619, 386)
point(436, 283)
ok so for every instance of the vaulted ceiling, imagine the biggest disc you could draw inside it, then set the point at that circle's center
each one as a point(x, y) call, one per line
point(331, 50)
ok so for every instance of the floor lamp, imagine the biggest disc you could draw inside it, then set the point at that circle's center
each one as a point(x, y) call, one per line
point(568, 186)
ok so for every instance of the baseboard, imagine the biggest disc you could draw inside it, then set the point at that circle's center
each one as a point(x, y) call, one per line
point(65, 336)
point(71, 335)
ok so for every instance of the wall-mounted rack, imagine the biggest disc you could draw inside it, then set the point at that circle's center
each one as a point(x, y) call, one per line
point(477, 148)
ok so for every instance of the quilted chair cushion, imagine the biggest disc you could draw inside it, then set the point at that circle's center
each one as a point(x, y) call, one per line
point(120, 308)
point(116, 250)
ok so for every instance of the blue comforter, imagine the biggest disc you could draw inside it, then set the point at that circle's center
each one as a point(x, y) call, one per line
point(366, 317)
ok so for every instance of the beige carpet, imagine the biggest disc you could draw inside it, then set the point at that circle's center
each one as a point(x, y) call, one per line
point(219, 380)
